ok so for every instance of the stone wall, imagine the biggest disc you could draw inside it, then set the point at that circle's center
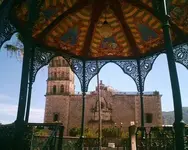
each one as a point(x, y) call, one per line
point(118, 109)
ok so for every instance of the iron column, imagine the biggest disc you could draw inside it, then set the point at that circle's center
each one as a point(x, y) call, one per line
point(83, 107)
point(178, 124)
point(19, 124)
point(30, 85)
point(141, 95)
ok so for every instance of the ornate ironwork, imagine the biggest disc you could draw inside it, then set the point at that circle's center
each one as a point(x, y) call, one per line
point(6, 28)
point(146, 65)
point(44, 135)
point(181, 54)
point(162, 138)
point(41, 59)
point(129, 67)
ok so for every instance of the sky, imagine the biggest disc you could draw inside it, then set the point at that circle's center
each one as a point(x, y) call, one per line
point(10, 77)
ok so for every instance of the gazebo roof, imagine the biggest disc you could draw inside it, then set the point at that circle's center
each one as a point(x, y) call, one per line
point(74, 27)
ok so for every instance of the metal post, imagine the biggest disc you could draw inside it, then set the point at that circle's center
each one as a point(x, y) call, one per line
point(99, 103)
point(141, 94)
point(30, 85)
point(19, 123)
point(83, 108)
point(179, 123)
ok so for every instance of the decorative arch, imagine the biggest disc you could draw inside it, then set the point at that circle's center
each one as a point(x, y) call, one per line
point(129, 67)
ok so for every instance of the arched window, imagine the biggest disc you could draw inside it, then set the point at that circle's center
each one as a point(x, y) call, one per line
point(55, 117)
point(55, 75)
point(54, 89)
point(62, 75)
point(62, 89)
point(56, 63)
point(62, 62)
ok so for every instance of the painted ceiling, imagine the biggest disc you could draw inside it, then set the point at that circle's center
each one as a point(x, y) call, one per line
point(74, 26)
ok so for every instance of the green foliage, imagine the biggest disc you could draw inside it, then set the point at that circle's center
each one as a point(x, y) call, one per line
point(11, 48)
point(106, 133)
point(90, 134)
point(40, 132)
point(110, 132)
point(70, 145)
point(16, 48)
point(156, 93)
point(74, 131)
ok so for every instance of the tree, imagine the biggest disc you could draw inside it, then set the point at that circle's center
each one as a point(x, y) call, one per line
point(16, 48)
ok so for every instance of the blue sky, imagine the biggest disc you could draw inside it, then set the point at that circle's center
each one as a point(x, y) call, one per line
point(10, 76)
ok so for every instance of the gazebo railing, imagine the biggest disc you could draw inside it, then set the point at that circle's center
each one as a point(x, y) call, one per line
point(42, 136)
point(7, 133)
point(157, 138)
point(45, 136)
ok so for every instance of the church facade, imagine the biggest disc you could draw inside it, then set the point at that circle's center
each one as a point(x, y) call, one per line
point(117, 108)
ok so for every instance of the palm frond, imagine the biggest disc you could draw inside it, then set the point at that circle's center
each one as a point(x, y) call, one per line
point(11, 48)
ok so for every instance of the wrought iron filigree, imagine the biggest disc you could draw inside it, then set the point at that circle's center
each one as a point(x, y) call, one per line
point(91, 69)
point(181, 54)
point(41, 59)
point(6, 28)
point(146, 65)
point(155, 138)
point(130, 67)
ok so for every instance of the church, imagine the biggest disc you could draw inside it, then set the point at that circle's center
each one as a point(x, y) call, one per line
point(117, 108)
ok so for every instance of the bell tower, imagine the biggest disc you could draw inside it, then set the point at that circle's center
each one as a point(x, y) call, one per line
point(60, 87)
point(60, 78)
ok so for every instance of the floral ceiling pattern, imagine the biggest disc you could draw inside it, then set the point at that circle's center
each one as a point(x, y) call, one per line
point(74, 27)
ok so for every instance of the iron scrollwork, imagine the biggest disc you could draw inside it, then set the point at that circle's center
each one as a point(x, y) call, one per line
point(146, 65)
point(6, 28)
point(130, 67)
point(181, 54)
point(41, 58)
point(92, 68)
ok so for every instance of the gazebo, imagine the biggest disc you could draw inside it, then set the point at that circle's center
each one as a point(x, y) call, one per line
point(92, 33)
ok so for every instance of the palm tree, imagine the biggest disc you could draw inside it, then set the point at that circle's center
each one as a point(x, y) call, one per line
point(17, 48)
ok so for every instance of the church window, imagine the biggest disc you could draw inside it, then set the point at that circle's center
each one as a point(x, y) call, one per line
point(56, 63)
point(55, 117)
point(62, 89)
point(62, 74)
point(54, 89)
point(148, 117)
point(55, 75)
